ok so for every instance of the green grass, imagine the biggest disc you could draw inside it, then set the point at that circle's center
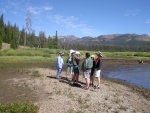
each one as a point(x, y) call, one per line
point(19, 107)
point(26, 61)
point(33, 57)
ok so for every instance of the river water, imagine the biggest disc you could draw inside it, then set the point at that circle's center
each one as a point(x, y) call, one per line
point(138, 75)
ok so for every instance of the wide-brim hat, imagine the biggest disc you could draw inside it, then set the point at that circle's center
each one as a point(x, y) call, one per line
point(61, 53)
point(92, 56)
point(99, 53)
point(77, 52)
point(72, 51)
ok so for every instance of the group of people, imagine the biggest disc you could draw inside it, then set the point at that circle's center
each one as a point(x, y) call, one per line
point(91, 67)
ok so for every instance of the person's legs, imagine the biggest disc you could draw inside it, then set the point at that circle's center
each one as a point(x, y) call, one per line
point(91, 80)
point(98, 80)
point(87, 78)
point(88, 83)
point(97, 75)
point(71, 70)
point(67, 72)
point(59, 73)
point(77, 75)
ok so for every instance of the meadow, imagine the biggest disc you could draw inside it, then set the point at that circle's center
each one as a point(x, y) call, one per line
point(26, 58)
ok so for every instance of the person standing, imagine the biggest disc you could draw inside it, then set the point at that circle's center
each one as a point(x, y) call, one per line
point(75, 62)
point(98, 66)
point(92, 71)
point(59, 65)
point(86, 67)
point(69, 66)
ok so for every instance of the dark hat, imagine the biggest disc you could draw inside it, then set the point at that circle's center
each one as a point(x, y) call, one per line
point(61, 53)
point(99, 53)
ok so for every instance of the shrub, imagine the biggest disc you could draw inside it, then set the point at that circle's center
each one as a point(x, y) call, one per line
point(19, 107)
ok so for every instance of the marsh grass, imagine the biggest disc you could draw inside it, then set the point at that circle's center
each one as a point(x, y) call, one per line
point(83, 103)
point(58, 91)
point(26, 62)
point(117, 100)
point(19, 107)
point(36, 73)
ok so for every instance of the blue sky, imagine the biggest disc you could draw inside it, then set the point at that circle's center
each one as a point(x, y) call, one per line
point(80, 17)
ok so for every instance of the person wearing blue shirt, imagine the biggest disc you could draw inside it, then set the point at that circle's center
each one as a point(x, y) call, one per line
point(59, 64)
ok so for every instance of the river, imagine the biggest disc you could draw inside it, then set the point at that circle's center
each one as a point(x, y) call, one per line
point(138, 75)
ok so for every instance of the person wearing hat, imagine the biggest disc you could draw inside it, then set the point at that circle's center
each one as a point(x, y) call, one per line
point(75, 61)
point(69, 65)
point(59, 65)
point(98, 65)
point(92, 71)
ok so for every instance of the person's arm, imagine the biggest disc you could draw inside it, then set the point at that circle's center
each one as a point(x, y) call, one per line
point(100, 63)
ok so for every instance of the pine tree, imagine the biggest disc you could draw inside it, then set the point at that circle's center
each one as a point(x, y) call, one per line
point(2, 33)
point(14, 37)
point(56, 41)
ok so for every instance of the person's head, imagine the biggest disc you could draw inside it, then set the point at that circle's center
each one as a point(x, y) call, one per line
point(87, 55)
point(99, 54)
point(69, 55)
point(61, 53)
point(72, 52)
point(93, 57)
point(77, 53)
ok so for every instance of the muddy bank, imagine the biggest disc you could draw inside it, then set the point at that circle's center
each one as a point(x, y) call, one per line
point(13, 87)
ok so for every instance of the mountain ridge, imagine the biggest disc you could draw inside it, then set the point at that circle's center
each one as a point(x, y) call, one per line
point(110, 39)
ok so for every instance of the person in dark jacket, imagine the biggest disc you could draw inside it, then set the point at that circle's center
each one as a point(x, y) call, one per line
point(98, 66)
point(75, 61)
point(69, 66)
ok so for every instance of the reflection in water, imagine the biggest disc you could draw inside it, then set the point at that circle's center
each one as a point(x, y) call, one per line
point(136, 75)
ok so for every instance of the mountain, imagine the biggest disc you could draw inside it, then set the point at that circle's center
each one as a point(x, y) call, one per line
point(112, 39)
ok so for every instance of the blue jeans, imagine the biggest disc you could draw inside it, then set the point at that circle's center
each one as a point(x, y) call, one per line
point(59, 72)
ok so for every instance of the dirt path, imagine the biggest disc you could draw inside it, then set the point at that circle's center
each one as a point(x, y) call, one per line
point(40, 86)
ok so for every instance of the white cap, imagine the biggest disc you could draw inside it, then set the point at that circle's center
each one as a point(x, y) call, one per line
point(93, 56)
point(77, 52)
point(72, 51)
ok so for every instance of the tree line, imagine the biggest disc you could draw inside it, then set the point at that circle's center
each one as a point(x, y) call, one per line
point(26, 37)
point(107, 48)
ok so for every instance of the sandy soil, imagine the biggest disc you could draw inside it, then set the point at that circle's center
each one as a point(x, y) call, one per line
point(40, 86)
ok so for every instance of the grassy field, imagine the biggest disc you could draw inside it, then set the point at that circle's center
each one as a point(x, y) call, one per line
point(26, 58)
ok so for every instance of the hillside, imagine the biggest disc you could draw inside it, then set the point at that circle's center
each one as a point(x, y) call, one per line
point(112, 39)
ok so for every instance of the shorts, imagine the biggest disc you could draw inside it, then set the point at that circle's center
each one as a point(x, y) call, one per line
point(69, 70)
point(76, 69)
point(87, 73)
point(97, 73)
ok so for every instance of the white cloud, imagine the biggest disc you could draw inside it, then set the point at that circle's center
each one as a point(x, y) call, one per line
point(73, 24)
point(47, 8)
point(147, 21)
point(2, 10)
point(132, 12)
point(38, 10)
point(13, 12)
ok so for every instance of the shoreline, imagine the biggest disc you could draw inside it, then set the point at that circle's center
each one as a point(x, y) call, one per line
point(111, 64)
point(142, 91)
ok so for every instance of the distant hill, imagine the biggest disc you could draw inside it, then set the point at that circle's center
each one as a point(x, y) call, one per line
point(112, 39)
